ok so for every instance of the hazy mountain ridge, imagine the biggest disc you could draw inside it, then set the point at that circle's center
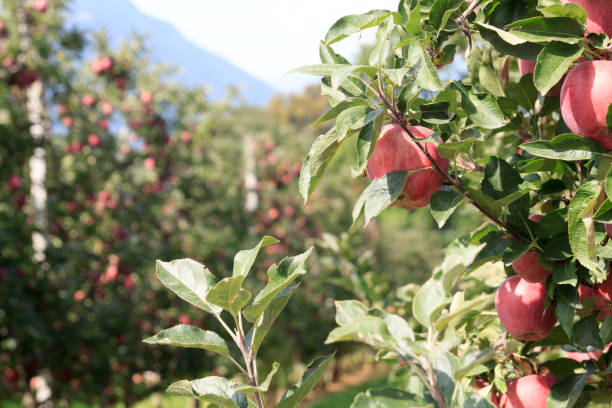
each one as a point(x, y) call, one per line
point(167, 45)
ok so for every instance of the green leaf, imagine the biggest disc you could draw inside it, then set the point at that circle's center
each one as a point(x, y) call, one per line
point(570, 10)
point(581, 227)
point(215, 390)
point(508, 43)
point(429, 298)
point(184, 335)
point(436, 113)
point(480, 108)
point(545, 29)
point(441, 11)
point(500, 179)
point(564, 311)
point(442, 205)
point(605, 332)
point(565, 394)
point(568, 147)
point(523, 92)
point(349, 310)
point(566, 274)
point(552, 63)
point(355, 118)
point(321, 69)
point(366, 140)
point(388, 398)
point(262, 326)
point(428, 77)
point(380, 194)
point(244, 259)
point(296, 393)
point(279, 277)
point(370, 330)
point(336, 110)
point(352, 24)
point(189, 280)
point(471, 399)
point(609, 118)
point(586, 334)
point(263, 387)
point(316, 162)
point(229, 295)
point(400, 330)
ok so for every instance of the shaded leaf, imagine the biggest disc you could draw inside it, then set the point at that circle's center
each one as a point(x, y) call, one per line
point(184, 335)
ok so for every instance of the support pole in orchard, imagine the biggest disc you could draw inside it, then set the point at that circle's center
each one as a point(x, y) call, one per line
point(38, 191)
point(38, 169)
point(250, 179)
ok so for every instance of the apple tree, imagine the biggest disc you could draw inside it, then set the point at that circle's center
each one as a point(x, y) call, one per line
point(518, 312)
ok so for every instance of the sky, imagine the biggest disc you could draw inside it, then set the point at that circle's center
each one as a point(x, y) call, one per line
point(266, 38)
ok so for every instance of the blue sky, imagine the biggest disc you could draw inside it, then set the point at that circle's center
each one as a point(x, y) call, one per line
point(266, 38)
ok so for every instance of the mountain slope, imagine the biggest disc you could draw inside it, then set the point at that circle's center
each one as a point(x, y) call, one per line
point(200, 67)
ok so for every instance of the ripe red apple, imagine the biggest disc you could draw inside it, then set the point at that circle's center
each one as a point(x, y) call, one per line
point(103, 123)
point(602, 297)
point(530, 391)
point(88, 100)
point(585, 97)
point(395, 151)
point(67, 121)
point(599, 15)
point(528, 67)
point(107, 109)
point(520, 308)
point(41, 5)
point(14, 182)
point(146, 97)
point(24, 78)
point(186, 137)
point(101, 65)
point(528, 265)
point(94, 140)
point(149, 163)
point(609, 230)
point(273, 213)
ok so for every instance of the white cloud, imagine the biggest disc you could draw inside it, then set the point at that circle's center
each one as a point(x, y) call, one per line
point(266, 38)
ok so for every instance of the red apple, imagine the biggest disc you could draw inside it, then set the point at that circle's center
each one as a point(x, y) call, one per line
point(609, 230)
point(67, 121)
point(520, 308)
point(186, 137)
point(24, 78)
point(149, 163)
point(94, 140)
point(585, 291)
point(88, 100)
point(528, 392)
point(101, 65)
point(41, 5)
point(585, 97)
point(146, 97)
point(273, 213)
point(396, 151)
point(602, 297)
point(599, 15)
point(14, 182)
point(107, 109)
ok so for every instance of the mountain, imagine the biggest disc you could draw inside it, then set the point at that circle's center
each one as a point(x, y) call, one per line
point(167, 45)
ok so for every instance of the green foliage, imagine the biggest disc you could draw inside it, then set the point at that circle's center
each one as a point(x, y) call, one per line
point(511, 157)
point(193, 283)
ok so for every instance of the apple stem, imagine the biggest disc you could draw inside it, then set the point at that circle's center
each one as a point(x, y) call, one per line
point(399, 117)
